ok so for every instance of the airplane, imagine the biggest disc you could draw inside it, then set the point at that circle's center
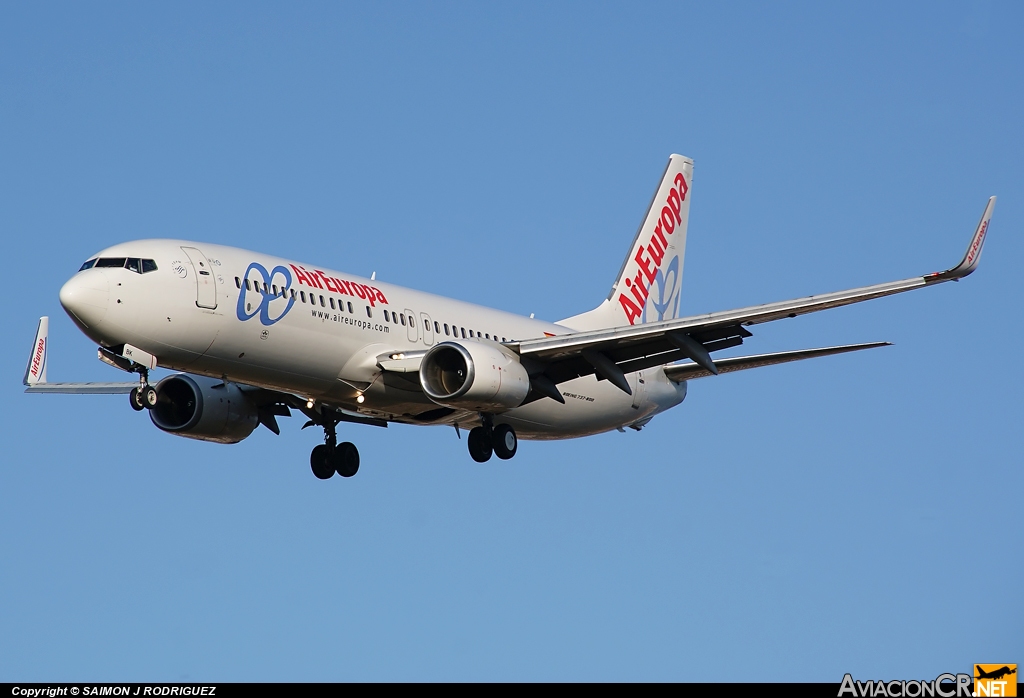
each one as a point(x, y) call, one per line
point(995, 674)
point(253, 337)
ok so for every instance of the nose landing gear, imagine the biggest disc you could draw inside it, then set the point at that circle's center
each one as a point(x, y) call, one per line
point(331, 457)
point(499, 440)
point(144, 397)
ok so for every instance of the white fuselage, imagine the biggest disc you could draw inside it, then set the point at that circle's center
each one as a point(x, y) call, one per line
point(318, 334)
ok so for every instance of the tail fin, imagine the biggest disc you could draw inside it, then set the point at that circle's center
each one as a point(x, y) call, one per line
point(35, 372)
point(647, 287)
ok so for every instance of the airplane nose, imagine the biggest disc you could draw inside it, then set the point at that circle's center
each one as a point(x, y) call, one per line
point(85, 297)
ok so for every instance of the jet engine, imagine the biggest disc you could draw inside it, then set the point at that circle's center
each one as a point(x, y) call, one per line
point(203, 408)
point(472, 375)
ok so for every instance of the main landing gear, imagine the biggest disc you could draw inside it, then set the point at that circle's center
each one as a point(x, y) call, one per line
point(487, 439)
point(331, 457)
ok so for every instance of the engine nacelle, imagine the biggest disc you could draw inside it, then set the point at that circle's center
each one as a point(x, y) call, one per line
point(203, 408)
point(474, 376)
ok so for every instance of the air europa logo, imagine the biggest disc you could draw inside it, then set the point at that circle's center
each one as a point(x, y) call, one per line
point(269, 307)
point(318, 279)
point(976, 245)
point(648, 267)
point(37, 358)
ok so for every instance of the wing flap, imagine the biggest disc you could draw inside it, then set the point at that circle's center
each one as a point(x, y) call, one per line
point(689, 371)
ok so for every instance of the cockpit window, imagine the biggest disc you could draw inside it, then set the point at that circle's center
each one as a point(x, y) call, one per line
point(139, 266)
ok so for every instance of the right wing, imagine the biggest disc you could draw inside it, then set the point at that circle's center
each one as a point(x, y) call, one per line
point(613, 352)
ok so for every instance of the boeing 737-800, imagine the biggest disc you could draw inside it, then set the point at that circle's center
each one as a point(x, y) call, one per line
point(254, 337)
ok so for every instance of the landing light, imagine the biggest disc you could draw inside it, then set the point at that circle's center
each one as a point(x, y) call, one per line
point(309, 404)
point(360, 399)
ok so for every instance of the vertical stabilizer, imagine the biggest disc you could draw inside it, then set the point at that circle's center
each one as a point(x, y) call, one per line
point(647, 286)
point(35, 372)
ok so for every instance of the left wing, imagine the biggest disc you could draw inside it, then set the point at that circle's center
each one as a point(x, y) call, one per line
point(35, 372)
point(612, 353)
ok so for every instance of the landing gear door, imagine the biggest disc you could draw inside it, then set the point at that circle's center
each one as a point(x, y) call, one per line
point(206, 283)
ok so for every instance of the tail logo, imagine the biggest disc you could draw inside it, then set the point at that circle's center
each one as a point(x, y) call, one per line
point(267, 301)
point(666, 303)
point(649, 258)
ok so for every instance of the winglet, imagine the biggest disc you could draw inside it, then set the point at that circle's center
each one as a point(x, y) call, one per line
point(970, 261)
point(35, 372)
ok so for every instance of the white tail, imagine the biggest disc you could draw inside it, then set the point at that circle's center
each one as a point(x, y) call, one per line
point(647, 287)
point(35, 372)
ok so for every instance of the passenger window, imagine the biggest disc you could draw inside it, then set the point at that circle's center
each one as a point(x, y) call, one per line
point(436, 328)
point(148, 265)
point(302, 296)
point(332, 304)
point(134, 264)
point(87, 265)
point(503, 339)
point(350, 307)
point(238, 282)
point(323, 304)
point(463, 331)
point(275, 289)
point(401, 316)
point(386, 317)
point(446, 329)
point(368, 313)
point(471, 334)
point(426, 324)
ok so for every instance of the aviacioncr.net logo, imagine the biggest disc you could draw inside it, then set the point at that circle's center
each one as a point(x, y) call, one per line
point(261, 299)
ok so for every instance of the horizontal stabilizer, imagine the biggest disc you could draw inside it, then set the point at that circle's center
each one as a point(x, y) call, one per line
point(683, 372)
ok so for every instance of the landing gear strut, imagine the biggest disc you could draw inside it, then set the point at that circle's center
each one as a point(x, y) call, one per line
point(499, 440)
point(331, 457)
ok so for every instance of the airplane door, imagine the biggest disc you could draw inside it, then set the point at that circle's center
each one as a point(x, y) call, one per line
point(206, 284)
point(411, 325)
point(428, 329)
point(639, 389)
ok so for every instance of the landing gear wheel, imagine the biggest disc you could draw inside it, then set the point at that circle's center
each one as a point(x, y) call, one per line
point(346, 459)
point(135, 398)
point(320, 462)
point(149, 397)
point(504, 441)
point(480, 445)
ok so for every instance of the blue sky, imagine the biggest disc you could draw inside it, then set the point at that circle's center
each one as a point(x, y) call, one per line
point(853, 513)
